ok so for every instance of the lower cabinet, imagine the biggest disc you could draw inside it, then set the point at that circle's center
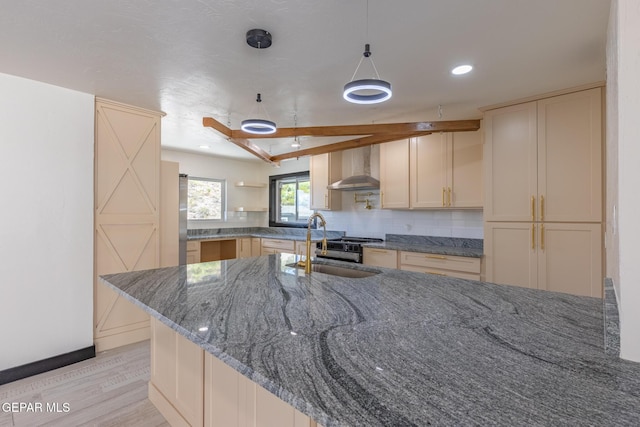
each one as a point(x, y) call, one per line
point(193, 388)
point(244, 248)
point(193, 252)
point(444, 265)
point(276, 246)
point(176, 387)
point(560, 257)
point(380, 257)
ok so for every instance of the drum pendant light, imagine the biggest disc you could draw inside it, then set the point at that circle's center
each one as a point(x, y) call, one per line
point(259, 39)
point(367, 91)
point(258, 126)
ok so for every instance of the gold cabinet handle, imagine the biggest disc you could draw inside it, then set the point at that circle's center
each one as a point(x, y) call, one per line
point(382, 198)
point(542, 237)
point(435, 257)
point(533, 208)
point(433, 272)
point(443, 192)
point(449, 198)
point(541, 208)
point(533, 236)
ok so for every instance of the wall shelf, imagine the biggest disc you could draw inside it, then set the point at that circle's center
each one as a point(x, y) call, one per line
point(249, 209)
point(247, 184)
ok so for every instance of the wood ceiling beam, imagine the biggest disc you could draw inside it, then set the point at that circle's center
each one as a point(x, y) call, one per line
point(398, 128)
point(255, 150)
point(213, 123)
point(345, 145)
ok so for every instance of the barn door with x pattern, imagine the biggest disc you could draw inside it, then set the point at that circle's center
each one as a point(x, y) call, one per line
point(127, 181)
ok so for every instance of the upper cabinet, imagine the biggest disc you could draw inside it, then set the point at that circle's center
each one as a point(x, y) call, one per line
point(544, 160)
point(325, 169)
point(394, 175)
point(442, 170)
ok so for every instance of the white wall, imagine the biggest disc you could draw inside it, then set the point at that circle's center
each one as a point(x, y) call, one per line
point(623, 107)
point(46, 220)
point(352, 218)
point(233, 170)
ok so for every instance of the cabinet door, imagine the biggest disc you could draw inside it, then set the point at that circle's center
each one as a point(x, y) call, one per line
point(394, 175)
point(428, 172)
point(319, 175)
point(510, 254)
point(570, 157)
point(380, 257)
point(243, 247)
point(324, 169)
point(510, 160)
point(256, 246)
point(570, 258)
point(465, 176)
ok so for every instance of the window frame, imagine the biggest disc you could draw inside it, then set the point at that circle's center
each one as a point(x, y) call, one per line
point(273, 200)
point(223, 197)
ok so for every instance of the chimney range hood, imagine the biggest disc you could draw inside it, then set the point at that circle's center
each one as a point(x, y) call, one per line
point(361, 178)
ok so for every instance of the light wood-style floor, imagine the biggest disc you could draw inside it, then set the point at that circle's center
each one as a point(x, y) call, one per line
point(109, 390)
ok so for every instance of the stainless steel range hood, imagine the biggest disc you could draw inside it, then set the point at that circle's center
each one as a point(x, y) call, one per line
point(360, 178)
point(355, 183)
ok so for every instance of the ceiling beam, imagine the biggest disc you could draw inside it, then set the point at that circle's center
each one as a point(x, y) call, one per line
point(436, 126)
point(345, 145)
point(255, 150)
point(213, 123)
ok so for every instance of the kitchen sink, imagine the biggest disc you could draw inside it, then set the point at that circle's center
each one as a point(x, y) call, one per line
point(335, 270)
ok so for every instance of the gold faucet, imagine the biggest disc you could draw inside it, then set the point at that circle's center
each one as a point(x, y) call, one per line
point(307, 262)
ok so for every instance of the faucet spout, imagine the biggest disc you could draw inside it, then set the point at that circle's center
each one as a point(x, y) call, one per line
point(307, 262)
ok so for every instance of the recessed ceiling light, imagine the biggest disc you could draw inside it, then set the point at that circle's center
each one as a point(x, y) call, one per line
point(461, 69)
point(205, 147)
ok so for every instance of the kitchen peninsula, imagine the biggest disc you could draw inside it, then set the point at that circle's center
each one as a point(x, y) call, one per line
point(397, 348)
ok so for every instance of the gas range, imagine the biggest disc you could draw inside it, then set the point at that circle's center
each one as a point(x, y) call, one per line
point(345, 248)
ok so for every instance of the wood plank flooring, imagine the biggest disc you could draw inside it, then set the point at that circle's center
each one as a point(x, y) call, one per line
point(109, 390)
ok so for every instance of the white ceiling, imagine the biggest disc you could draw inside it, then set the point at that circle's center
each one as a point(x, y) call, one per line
point(189, 58)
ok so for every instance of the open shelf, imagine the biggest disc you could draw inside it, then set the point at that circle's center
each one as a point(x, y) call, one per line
point(250, 184)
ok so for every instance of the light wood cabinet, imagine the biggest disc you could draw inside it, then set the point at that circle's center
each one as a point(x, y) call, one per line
point(442, 170)
point(231, 399)
point(193, 252)
point(380, 257)
point(325, 169)
point(446, 170)
point(443, 265)
point(543, 163)
point(244, 247)
point(256, 246)
point(276, 246)
point(127, 214)
point(176, 386)
point(394, 174)
point(561, 257)
point(543, 160)
point(190, 387)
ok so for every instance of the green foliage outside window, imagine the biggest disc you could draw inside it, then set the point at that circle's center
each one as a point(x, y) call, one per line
point(206, 199)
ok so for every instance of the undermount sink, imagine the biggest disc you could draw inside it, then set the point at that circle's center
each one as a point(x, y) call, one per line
point(335, 270)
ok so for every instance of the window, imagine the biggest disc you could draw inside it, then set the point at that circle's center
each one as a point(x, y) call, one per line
point(289, 200)
point(206, 199)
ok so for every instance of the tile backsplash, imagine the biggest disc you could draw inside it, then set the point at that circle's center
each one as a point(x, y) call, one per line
point(358, 221)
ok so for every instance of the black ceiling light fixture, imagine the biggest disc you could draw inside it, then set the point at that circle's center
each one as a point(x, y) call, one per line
point(259, 39)
point(367, 91)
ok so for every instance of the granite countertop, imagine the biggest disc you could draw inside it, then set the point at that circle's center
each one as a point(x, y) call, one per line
point(398, 348)
point(431, 245)
point(281, 233)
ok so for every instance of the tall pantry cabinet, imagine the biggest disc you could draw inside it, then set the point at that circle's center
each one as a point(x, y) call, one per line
point(543, 195)
point(127, 214)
